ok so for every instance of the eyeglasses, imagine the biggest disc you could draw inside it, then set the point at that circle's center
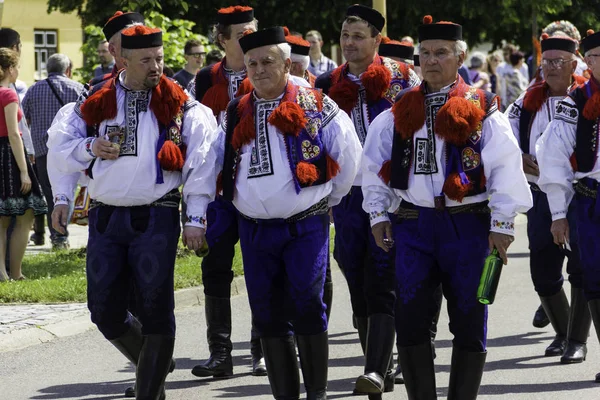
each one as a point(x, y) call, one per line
point(197, 55)
point(556, 63)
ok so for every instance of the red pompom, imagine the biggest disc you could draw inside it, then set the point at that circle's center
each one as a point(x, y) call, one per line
point(234, 9)
point(167, 99)
point(244, 88)
point(115, 15)
point(247, 32)
point(385, 173)
point(140, 30)
point(409, 113)
point(457, 119)
point(455, 189)
point(333, 168)
point(286, 31)
point(590, 32)
point(545, 36)
point(385, 40)
point(289, 118)
point(376, 80)
point(573, 161)
point(428, 19)
point(170, 157)
point(579, 80)
point(306, 173)
point(216, 98)
point(345, 94)
point(535, 97)
point(101, 105)
point(591, 111)
point(297, 41)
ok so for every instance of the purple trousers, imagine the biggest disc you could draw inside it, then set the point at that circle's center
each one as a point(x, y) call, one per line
point(439, 247)
point(128, 244)
point(284, 268)
point(588, 227)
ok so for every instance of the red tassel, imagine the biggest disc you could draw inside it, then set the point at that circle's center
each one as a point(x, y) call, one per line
point(579, 80)
point(101, 105)
point(307, 173)
point(376, 80)
point(573, 161)
point(170, 157)
point(216, 98)
point(167, 99)
point(289, 118)
point(454, 188)
point(535, 97)
point(591, 111)
point(385, 173)
point(244, 88)
point(457, 119)
point(244, 132)
point(333, 168)
point(409, 113)
point(345, 94)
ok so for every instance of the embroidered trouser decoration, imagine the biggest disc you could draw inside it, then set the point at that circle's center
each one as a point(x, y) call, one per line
point(132, 243)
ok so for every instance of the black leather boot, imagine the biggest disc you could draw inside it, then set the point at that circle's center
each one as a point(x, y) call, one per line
point(439, 297)
point(153, 367)
point(328, 298)
point(398, 379)
point(130, 345)
point(540, 319)
point(465, 374)
point(362, 325)
point(259, 367)
point(380, 344)
point(130, 391)
point(580, 322)
point(314, 356)
point(594, 306)
point(218, 333)
point(282, 367)
point(557, 310)
point(418, 371)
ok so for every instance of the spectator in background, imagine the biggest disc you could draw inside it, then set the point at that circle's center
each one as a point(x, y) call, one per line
point(479, 78)
point(20, 192)
point(107, 61)
point(515, 82)
point(493, 60)
point(168, 71)
point(319, 64)
point(194, 54)
point(213, 57)
point(40, 105)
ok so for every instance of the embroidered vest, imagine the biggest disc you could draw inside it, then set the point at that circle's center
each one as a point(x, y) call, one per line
point(213, 87)
point(586, 137)
point(464, 169)
point(300, 117)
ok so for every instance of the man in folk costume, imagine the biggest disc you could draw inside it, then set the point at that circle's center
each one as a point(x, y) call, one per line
point(289, 156)
point(529, 116)
point(147, 139)
point(300, 57)
point(445, 158)
point(398, 51)
point(363, 87)
point(567, 153)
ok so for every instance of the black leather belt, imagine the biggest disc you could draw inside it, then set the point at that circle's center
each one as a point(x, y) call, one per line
point(410, 211)
point(170, 199)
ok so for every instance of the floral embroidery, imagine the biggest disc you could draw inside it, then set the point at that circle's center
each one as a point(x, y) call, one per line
point(89, 142)
point(377, 214)
point(195, 219)
point(309, 151)
point(510, 226)
point(470, 159)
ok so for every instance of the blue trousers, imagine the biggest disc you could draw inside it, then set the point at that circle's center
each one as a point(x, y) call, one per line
point(588, 227)
point(284, 268)
point(445, 248)
point(136, 244)
point(368, 269)
point(546, 258)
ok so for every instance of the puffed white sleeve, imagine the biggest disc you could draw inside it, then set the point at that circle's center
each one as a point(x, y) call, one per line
point(554, 150)
point(204, 160)
point(378, 197)
point(503, 166)
point(68, 144)
point(342, 145)
point(513, 113)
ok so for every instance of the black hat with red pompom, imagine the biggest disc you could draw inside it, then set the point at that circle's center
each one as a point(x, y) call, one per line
point(558, 43)
point(368, 14)
point(235, 15)
point(120, 21)
point(141, 37)
point(394, 48)
point(443, 30)
point(591, 41)
point(264, 37)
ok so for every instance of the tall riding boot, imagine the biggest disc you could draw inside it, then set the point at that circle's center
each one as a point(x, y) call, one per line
point(380, 345)
point(218, 333)
point(439, 296)
point(314, 356)
point(362, 326)
point(153, 367)
point(594, 306)
point(328, 298)
point(465, 374)
point(258, 361)
point(282, 367)
point(398, 379)
point(580, 322)
point(418, 371)
point(557, 310)
point(130, 345)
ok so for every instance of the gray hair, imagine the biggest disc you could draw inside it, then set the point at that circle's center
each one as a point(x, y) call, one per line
point(477, 60)
point(304, 60)
point(285, 50)
point(460, 46)
point(58, 63)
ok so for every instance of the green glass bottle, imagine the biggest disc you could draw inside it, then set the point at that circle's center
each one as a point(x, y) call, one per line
point(488, 285)
point(204, 250)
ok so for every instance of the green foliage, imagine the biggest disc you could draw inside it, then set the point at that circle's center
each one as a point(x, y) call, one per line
point(93, 37)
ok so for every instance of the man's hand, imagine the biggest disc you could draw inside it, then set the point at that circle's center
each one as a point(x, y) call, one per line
point(106, 149)
point(193, 237)
point(59, 218)
point(501, 242)
point(31, 158)
point(560, 231)
point(530, 165)
point(383, 234)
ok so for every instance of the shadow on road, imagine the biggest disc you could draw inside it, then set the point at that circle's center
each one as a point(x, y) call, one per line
point(104, 390)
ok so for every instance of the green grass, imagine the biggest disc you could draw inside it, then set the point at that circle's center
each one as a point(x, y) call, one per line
point(59, 277)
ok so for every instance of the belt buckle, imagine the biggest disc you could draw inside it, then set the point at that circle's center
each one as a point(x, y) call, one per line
point(440, 202)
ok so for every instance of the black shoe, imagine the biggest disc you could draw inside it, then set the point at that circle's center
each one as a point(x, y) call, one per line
point(259, 368)
point(556, 309)
point(218, 333)
point(398, 379)
point(580, 322)
point(282, 367)
point(130, 391)
point(418, 371)
point(597, 380)
point(557, 347)
point(313, 351)
point(540, 319)
point(380, 344)
point(153, 366)
point(465, 374)
point(37, 239)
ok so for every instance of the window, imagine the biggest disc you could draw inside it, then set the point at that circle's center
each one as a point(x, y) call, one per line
point(46, 44)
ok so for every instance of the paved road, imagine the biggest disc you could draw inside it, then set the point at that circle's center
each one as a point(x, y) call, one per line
point(85, 366)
